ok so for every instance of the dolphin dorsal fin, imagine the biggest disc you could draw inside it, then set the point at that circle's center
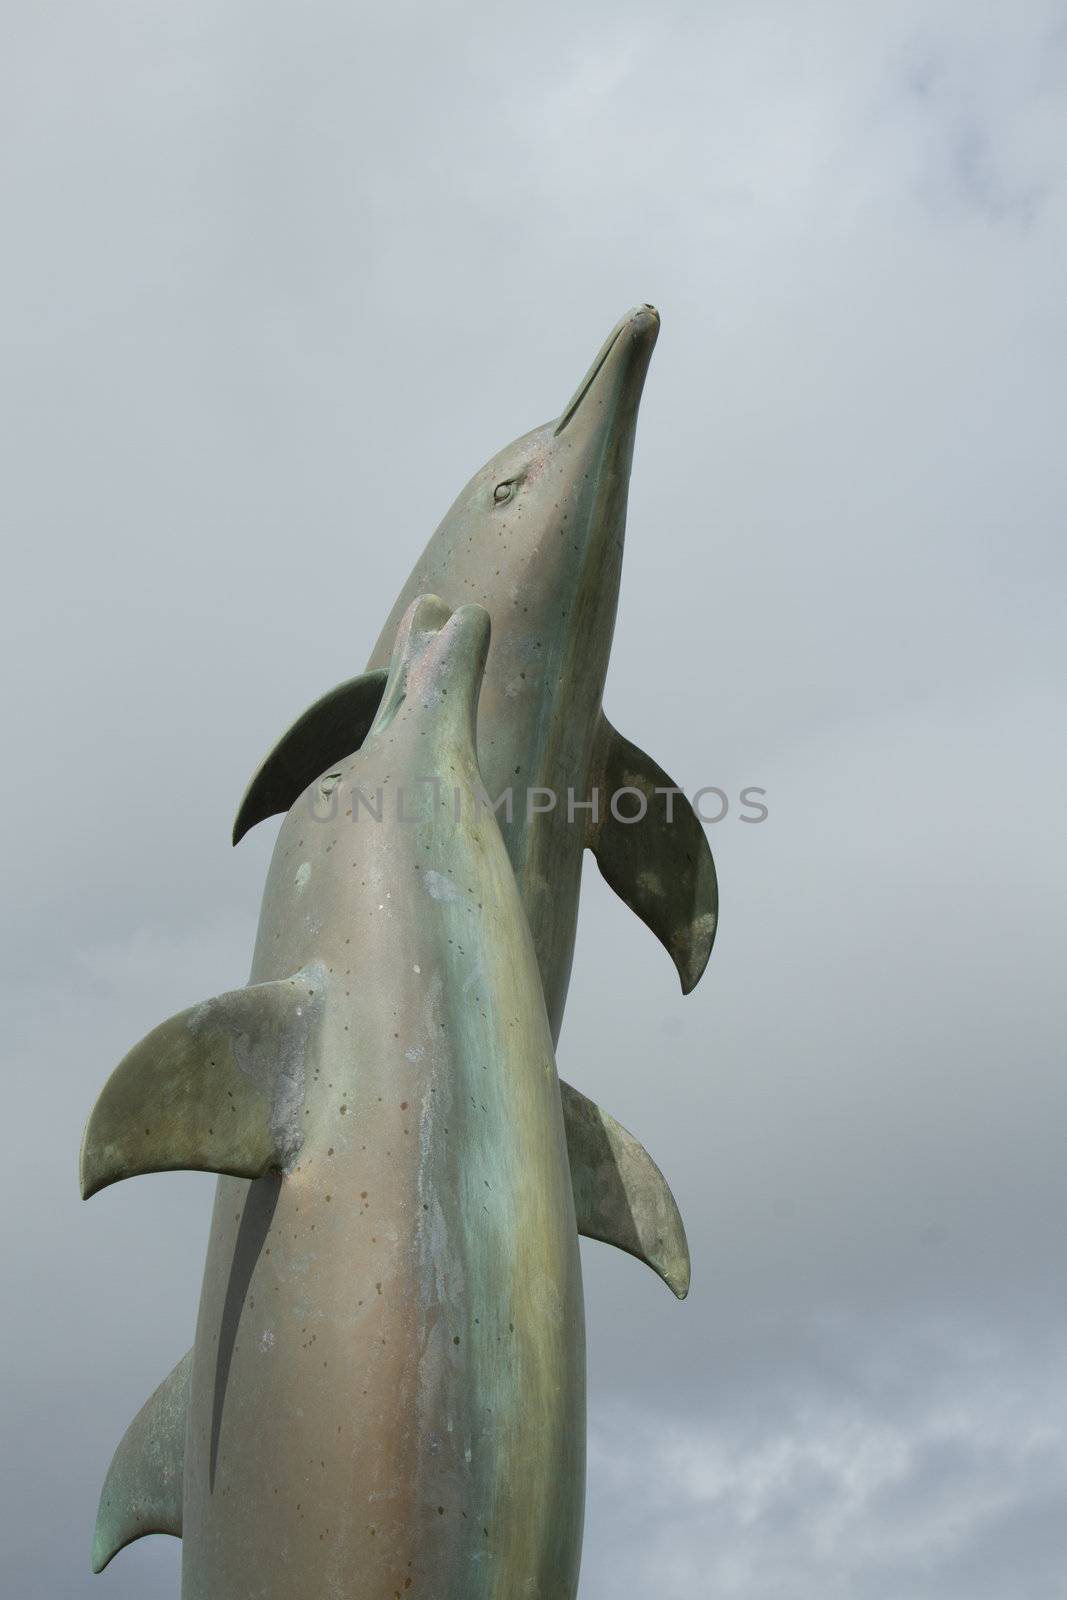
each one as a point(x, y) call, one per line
point(620, 1195)
point(218, 1088)
point(333, 728)
point(142, 1492)
point(661, 865)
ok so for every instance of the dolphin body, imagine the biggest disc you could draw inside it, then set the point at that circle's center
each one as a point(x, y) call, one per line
point(536, 537)
point(386, 1392)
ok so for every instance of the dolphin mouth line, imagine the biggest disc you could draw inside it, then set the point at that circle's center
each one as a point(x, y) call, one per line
point(590, 378)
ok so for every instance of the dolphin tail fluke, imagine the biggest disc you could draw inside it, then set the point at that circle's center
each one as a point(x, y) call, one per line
point(661, 864)
point(218, 1088)
point(620, 1195)
point(333, 728)
point(142, 1492)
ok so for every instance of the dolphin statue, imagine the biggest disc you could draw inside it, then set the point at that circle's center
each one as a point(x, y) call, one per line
point(536, 537)
point(386, 1392)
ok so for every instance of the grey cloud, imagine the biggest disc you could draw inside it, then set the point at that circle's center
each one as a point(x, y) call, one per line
point(932, 1476)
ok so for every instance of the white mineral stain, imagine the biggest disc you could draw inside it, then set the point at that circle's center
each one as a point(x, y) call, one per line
point(439, 886)
point(267, 1340)
point(303, 873)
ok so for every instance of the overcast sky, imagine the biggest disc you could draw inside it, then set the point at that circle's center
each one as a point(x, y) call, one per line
point(275, 280)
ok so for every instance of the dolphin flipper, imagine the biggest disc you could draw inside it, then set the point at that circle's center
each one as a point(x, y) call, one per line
point(620, 1195)
point(661, 865)
point(142, 1492)
point(328, 731)
point(218, 1088)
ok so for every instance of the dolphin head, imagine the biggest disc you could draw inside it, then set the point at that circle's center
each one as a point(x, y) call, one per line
point(435, 673)
point(578, 464)
point(536, 535)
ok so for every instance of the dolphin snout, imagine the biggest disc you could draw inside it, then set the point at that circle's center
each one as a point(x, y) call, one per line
point(622, 360)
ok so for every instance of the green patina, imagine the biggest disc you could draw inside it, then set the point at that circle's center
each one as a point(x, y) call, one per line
point(386, 1390)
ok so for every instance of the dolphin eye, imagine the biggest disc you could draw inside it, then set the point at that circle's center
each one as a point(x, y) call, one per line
point(504, 491)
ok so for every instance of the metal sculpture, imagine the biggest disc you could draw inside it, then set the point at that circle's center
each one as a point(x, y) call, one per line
point(386, 1393)
point(537, 538)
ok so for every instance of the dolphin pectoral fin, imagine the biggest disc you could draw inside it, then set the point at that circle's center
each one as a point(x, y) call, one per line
point(660, 864)
point(620, 1195)
point(142, 1492)
point(328, 731)
point(218, 1088)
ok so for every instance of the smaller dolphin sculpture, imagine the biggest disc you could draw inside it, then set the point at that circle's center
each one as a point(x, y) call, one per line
point(386, 1392)
point(537, 538)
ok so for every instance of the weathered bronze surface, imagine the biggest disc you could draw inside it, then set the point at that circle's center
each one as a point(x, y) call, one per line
point(386, 1393)
point(537, 538)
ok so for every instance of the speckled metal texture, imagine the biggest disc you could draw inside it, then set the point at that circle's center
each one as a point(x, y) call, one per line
point(388, 1378)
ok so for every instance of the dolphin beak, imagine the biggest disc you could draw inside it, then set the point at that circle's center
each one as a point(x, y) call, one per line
point(620, 366)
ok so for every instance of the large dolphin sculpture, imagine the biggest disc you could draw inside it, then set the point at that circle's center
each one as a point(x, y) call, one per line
point(386, 1392)
point(537, 538)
